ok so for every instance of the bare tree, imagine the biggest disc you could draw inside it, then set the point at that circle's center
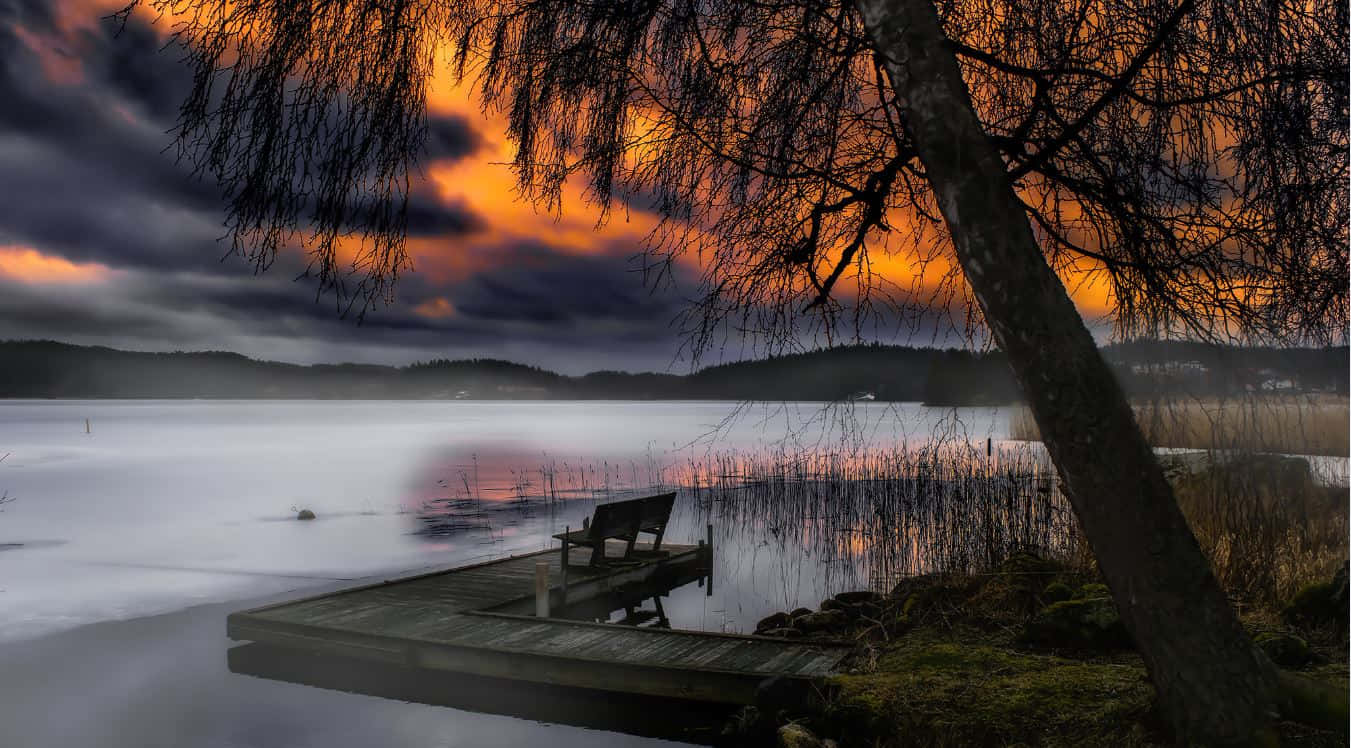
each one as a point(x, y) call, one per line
point(1187, 155)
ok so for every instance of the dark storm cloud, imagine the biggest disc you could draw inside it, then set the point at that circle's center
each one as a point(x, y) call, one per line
point(429, 215)
point(114, 174)
point(86, 173)
point(543, 286)
point(450, 137)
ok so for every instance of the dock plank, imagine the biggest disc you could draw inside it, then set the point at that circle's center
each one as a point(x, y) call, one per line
point(446, 621)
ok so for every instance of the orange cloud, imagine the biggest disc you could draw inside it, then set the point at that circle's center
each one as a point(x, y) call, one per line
point(437, 308)
point(27, 265)
point(485, 183)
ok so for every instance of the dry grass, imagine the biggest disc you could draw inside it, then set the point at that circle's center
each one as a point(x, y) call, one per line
point(1267, 526)
point(1286, 424)
point(871, 517)
point(887, 514)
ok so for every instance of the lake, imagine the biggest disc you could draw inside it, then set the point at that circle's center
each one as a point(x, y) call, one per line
point(185, 510)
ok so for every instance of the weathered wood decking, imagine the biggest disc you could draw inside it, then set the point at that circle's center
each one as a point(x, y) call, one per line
point(465, 620)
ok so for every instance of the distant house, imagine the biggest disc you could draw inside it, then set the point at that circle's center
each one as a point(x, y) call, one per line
point(1171, 368)
point(1274, 382)
point(523, 389)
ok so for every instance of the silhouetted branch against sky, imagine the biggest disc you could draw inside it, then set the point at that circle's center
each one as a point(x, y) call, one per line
point(1186, 159)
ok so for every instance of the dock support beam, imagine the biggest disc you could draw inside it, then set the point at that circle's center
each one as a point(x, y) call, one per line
point(567, 530)
point(542, 589)
point(708, 591)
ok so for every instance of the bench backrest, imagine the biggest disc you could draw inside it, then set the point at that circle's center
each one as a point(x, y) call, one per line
point(628, 517)
point(657, 510)
point(614, 519)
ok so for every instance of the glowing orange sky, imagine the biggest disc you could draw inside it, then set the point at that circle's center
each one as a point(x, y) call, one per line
point(482, 182)
point(31, 266)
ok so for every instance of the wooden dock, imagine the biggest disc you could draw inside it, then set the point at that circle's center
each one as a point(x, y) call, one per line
point(474, 620)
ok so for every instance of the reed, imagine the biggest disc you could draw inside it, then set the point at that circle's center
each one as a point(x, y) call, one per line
point(1267, 524)
point(871, 517)
point(1286, 424)
point(887, 514)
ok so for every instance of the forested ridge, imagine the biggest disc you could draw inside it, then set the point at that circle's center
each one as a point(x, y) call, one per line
point(50, 369)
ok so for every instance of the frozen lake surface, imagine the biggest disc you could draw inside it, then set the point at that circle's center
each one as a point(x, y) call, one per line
point(166, 504)
point(124, 548)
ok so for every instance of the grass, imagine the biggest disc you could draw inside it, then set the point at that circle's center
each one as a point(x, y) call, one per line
point(959, 676)
point(872, 517)
point(891, 513)
point(1286, 424)
point(1267, 526)
point(936, 689)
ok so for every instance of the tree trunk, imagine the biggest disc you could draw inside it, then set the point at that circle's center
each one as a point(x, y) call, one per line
point(1212, 682)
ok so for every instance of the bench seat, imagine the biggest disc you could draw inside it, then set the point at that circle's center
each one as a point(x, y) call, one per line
point(622, 520)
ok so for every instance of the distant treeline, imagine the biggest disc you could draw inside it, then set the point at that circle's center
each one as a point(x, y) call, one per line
point(48, 369)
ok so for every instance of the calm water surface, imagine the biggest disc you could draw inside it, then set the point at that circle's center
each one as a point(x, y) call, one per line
point(185, 510)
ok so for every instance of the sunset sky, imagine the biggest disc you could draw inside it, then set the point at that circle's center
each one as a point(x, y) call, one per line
point(104, 239)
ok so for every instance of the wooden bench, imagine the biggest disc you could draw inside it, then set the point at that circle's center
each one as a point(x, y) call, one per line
point(621, 520)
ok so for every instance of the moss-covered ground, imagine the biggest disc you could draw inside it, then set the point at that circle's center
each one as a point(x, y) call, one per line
point(953, 662)
point(974, 688)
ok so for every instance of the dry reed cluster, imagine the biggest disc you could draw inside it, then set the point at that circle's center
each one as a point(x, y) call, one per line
point(948, 506)
point(1287, 424)
point(1267, 525)
point(893, 513)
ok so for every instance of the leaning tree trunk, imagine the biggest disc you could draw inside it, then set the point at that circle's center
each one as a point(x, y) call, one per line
point(1213, 683)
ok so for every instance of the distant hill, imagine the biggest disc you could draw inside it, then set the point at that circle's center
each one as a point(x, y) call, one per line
point(49, 369)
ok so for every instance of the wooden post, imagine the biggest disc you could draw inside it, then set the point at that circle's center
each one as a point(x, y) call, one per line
point(566, 530)
point(542, 589)
point(702, 556)
point(708, 591)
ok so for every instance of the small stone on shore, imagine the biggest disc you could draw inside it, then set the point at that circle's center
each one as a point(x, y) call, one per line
point(797, 736)
point(821, 621)
point(858, 596)
point(775, 621)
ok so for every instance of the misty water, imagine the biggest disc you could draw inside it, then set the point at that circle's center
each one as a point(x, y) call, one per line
point(185, 510)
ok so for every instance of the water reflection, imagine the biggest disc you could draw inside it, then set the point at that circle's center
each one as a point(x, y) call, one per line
point(688, 721)
point(791, 528)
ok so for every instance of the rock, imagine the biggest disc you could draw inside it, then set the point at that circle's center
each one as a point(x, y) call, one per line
point(1092, 591)
point(858, 596)
point(745, 722)
point(910, 585)
point(1027, 563)
point(857, 610)
point(926, 595)
point(910, 590)
point(1056, 592)
point(799, 612)
point(1286, 650)
point(1320, 603)
point(821, 621)
point(775, 621)
point(833, 604)
point(1340, 594)
point(797, 736)
point(305, 514)
point(787, 632)
point(1089, 623)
